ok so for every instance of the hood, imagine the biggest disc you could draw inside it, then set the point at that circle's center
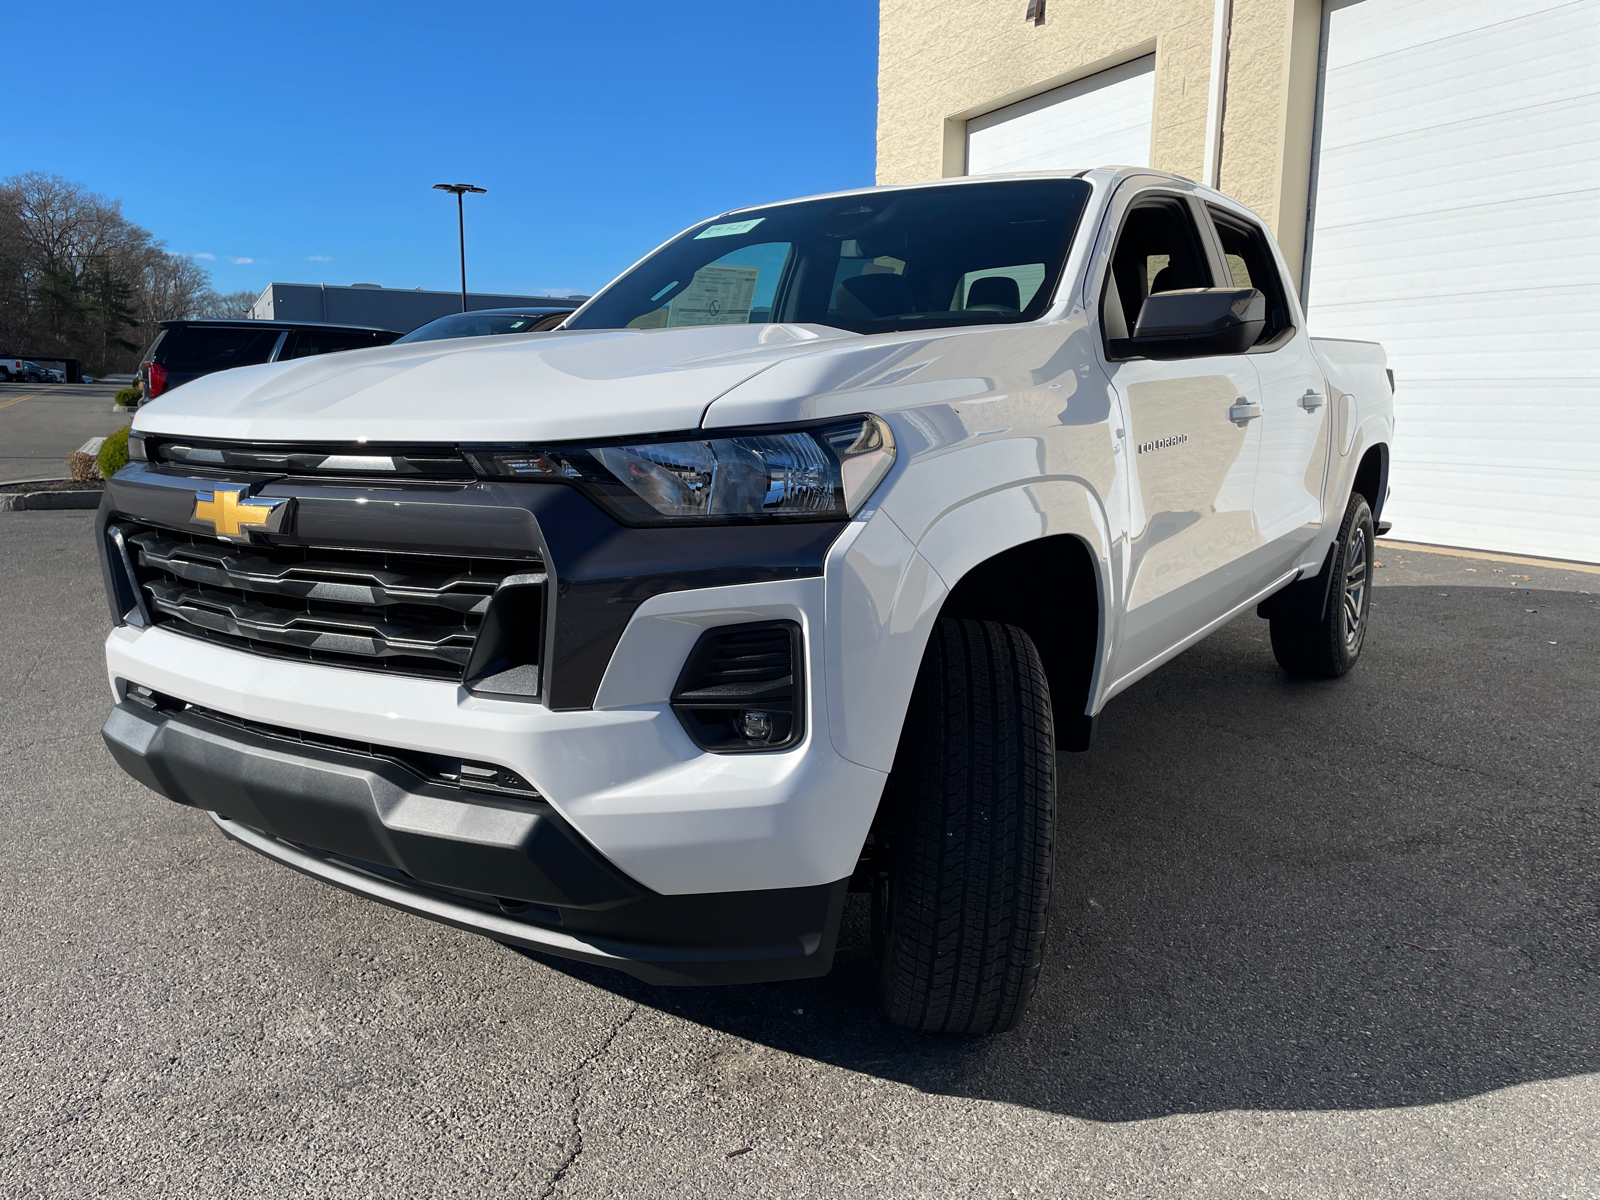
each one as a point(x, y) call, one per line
point(542, 386)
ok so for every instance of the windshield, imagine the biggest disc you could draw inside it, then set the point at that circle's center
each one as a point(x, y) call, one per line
point(479, 324)
point(963, 254)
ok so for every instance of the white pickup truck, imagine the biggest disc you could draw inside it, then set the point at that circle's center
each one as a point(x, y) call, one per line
point(781, 570)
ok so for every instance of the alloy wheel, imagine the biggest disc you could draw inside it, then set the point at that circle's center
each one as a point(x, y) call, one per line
point(1356, 565)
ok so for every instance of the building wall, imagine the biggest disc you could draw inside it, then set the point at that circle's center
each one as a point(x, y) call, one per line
point(399, 309)
point(942, 62)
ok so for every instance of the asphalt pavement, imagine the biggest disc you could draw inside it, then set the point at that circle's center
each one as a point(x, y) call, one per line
point(42, 423)
point(1309, 940)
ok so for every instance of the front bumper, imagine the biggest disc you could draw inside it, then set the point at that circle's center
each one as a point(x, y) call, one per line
point(511, 869)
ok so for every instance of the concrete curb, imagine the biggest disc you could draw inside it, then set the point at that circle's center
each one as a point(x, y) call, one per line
point(34, 501)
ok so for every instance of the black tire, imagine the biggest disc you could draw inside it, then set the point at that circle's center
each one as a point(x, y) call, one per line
point(959, 915)
point(1328, 648)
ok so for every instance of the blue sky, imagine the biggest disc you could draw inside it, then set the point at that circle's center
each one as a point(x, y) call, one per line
point(300, 142)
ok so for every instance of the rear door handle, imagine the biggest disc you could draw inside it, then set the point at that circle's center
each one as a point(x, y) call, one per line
point(1312, 400)
point(1243, 410)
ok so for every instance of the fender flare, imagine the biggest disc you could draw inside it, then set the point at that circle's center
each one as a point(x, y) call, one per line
point(884, 595)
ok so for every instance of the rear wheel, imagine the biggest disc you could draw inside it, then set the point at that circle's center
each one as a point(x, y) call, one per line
point(959, 914)
point(1328, 648)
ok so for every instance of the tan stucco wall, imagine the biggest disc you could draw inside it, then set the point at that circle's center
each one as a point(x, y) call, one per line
point(1268, 117)
point(941, 62)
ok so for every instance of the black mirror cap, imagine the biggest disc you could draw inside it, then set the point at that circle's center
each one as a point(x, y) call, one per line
point(1194, 323)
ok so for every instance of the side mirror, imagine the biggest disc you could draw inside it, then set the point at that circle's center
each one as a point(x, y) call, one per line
point(1195, 323)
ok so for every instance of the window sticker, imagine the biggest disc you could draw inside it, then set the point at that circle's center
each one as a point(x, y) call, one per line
point(717, 295)
point(728, 229)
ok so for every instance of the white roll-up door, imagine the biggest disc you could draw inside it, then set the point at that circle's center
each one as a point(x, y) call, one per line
point(1456, 219)
point(1103, 120)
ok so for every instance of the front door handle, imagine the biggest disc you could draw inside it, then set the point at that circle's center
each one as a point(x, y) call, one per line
point(1244, 410)
point(1312, 400)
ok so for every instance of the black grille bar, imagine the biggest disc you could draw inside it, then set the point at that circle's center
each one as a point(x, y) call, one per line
point(317, 628)
point(354, 581)
point(408, 614)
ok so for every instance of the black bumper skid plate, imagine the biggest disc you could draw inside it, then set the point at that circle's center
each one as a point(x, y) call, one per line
point(317, 810)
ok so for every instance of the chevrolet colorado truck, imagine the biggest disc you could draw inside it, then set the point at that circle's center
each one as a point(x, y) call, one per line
point(782, 569)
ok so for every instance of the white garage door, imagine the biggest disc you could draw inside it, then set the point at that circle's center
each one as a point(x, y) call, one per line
point(1099, 121)
point(1456, 220)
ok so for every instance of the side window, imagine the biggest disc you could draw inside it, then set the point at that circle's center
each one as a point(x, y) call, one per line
point(200, 349)
point(1250, 262)
point(736, 289)
point(308, 344)
point(1158, 250)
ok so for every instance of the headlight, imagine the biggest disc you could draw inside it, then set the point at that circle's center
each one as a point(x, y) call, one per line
point(818, 472)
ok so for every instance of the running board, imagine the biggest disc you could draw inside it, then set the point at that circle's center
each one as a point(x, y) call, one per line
point(1133, 677)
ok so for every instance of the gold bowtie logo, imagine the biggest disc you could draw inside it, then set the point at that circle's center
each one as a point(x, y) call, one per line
point(231, 512)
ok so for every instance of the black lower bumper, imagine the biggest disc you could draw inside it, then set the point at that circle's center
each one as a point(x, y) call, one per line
point(512, 869)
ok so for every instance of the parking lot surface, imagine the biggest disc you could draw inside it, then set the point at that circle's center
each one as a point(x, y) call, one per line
point(41, 423)
point(1309, 940)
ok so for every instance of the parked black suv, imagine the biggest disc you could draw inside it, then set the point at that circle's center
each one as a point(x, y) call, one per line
point(186, 350)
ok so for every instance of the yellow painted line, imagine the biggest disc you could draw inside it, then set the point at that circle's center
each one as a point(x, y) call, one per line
point(1550, 564)
point(20, 399)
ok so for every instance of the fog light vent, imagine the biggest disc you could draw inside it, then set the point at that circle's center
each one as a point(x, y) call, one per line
point(741, 689)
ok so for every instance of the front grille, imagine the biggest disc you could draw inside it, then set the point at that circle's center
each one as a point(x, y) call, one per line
point(407, 614)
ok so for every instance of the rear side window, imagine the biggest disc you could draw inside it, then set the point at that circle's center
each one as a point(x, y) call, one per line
point(1158, 250)
point(309, 345)
point(1250, 263)
point(196, 349)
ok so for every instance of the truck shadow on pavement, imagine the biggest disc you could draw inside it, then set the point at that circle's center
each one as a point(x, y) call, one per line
point(1275, 894)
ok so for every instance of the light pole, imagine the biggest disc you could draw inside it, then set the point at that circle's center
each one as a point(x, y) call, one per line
point(460, 189)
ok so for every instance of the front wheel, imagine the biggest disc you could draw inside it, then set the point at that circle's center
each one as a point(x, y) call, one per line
point(1326, 649)
point(959, 914)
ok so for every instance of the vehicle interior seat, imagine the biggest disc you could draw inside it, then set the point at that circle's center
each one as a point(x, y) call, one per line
point(1166, 280)
point(870, 297)
point(995, 291)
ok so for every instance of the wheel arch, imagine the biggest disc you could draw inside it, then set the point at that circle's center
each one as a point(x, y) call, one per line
point(1049, 587)
point(1372, 477)
point(886, 591)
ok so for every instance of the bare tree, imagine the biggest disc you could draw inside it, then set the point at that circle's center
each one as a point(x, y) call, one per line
point(79, 279)
point(230, 304)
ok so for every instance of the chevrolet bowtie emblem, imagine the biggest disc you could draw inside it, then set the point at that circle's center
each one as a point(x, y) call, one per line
point(232, 511)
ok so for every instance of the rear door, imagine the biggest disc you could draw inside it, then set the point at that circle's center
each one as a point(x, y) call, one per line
point(1292, 467)
point(1189, 448)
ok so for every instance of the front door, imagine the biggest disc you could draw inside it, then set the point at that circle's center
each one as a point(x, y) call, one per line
point(1191, 444)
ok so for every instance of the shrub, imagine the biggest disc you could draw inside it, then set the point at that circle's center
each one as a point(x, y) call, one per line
point(128, 396)
point(114, 453)
point(82, 466)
